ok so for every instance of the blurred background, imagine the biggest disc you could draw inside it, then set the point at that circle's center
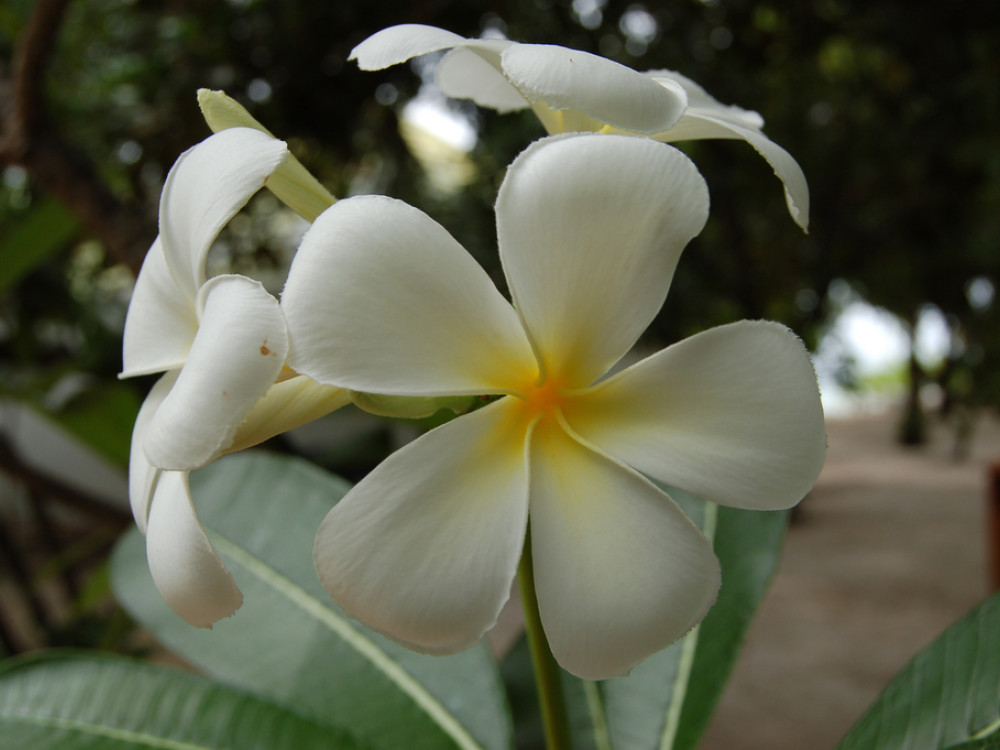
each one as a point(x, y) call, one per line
point(891, 108)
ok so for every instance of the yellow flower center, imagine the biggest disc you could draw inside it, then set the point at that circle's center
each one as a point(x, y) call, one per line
point(544, 399)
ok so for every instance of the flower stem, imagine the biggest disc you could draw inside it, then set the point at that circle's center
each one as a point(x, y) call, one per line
point(547, 672)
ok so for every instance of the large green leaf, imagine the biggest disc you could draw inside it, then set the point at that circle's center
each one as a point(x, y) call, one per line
point(947, 697)
point(101, 417)
point(80, 701)
point(28, 241)
point(666, 701)
point(289, 642)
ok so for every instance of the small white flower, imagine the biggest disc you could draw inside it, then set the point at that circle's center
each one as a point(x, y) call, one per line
point(382, 299)
point(222, 344)
point(570, 90)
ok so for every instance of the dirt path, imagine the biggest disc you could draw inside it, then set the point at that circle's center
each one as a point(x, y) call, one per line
point(888, 550)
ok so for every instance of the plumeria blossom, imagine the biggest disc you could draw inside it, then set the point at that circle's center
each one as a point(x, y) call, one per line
point(426, 546)
point(570, 91)
point(221, 344)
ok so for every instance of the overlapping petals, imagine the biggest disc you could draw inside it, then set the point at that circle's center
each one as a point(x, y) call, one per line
point(572, 91)
point(206, 186)
point(558, 82)
point(469, 71)
point(705, 117)
point(222, 344)
point(424, 548)
point(367, 356)
point(203, 191)
point(142, 474)
point(567, 80)
point(236, 356)
point(186, 569)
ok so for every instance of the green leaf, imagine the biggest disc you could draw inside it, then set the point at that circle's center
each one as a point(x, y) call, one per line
point(77, 701)
point(947, 697)
point(666, 701)
point(289, 642)
point(44, 230)
point(101, 417)
point(748, 544)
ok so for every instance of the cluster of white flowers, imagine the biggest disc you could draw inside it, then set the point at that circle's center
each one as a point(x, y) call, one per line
point(381, 300)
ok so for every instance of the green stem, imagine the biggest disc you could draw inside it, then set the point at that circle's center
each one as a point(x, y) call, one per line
point(547, 672)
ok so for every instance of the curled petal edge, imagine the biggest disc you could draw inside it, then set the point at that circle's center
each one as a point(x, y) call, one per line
point(187, 571)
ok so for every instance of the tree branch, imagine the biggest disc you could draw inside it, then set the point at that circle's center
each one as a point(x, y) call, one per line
point(33, 142)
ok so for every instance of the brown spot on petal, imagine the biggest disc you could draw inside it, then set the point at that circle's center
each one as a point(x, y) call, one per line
point(264, 350)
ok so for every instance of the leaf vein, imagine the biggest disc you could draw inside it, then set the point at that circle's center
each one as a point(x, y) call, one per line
point(355, 639)
point(115, 733)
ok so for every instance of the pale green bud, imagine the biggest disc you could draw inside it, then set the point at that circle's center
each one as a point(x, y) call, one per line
point(291, 183)
point(411, 407)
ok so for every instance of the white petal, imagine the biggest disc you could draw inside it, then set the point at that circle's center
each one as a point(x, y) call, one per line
point(473, 72)
point(424, 549)
point(732, 415)
point(701, 100)
point(161, 321)
point(287, 405)
point(707, 118)
point(380, 298)
point(291, 183)
point(187, 571)
point(206, 186)
point(590, 229)
point(611, 93)
point(237, 355)
point(141, 474)
point(696, 125)
point(620, 571)
point(398, 44)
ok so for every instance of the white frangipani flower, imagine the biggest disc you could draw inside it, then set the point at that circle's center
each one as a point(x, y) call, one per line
point(590, 229)
point(221, 343)
point(570, 90)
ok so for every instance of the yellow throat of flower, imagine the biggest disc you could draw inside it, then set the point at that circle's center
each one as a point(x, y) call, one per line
point(544, 399)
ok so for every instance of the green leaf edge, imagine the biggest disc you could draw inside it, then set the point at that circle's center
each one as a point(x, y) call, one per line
point(680, 732)
point(688, 651)
point(986, 737)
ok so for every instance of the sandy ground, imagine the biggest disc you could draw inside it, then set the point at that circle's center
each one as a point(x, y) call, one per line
point(888, 550)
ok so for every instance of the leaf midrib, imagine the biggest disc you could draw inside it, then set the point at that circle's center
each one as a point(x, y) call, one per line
point(353, 638)
point(690, 646)
point(103, 730)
